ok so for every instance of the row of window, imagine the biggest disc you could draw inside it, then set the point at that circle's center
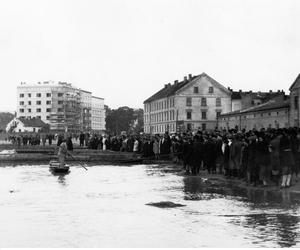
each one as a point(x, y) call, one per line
point(38, 116)
point(160, 105)
point(162, 128)
point(203, 114)
point(38, 102)
point(210, 90)
point(203, 102)
point(161, 117)
point(255, 115)
point(39, 110)
point(22, 95)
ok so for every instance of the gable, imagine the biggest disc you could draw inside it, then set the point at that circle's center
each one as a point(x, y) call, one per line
point(204, 83)
point(296, 83)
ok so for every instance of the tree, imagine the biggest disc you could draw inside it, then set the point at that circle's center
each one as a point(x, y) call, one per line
point(5, 118)
point(122, 119)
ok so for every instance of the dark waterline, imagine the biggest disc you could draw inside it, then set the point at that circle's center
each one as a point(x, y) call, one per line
point(106, 207)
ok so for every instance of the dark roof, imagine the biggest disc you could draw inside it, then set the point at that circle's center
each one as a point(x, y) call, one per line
point(270, 105)
point(32, 122)
point(236, 95)
point(265, 96)
point(171, 89)
point(295, 82)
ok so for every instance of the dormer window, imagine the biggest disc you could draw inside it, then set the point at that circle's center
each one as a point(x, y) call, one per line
point(196, 90)
point(211, 90)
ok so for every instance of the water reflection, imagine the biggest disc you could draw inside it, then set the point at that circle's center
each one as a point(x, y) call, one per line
point(61, 177)
point(273, 216)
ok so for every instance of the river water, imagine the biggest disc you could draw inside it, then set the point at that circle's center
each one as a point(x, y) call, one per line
point(106, 207)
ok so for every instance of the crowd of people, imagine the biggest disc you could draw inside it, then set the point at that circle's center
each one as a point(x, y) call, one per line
point(258, 157)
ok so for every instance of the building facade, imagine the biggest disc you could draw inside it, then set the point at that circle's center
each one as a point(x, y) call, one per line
point(61, 105)
point(272, 114)
point(98, 114)
point(189, 105)
point(21, 125)
point(294, 103)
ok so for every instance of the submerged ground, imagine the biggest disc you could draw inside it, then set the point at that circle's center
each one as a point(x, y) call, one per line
point(108, 206)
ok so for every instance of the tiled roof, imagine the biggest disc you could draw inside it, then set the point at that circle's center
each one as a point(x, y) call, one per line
point(171, 89)
point(236, 95)
point(32, 122)
point(270, 105)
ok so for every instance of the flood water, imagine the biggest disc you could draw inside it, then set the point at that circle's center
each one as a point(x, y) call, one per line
point(106, 207)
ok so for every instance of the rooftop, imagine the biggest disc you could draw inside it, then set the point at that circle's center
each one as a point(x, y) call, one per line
point(32, 122)
point(270, 105)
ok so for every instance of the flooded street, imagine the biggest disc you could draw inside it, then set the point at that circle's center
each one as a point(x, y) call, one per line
point(106, 207)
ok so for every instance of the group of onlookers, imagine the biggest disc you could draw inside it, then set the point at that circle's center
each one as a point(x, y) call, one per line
point(32, 139)
point(258, 157)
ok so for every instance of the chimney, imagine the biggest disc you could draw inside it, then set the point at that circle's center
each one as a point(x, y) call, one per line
point(190, 76)
point(270, 91)
point(240, 90)
point(278, 91)
point(176, 81)
point(166, 85)
point(185, 78)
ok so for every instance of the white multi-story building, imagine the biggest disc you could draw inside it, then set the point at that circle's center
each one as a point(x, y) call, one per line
point(61, 105)
point(98, 114)
point(189, 105)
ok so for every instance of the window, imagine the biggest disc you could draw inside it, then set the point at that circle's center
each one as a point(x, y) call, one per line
point(60, 94)
point(218, 101)
point(218, 113)
point(203, 126)
point(38, 110)
point(189, 127)
point(269, 114)
point(38, 102)
point(196, 90)
point(22, 103)
point(39, 117)
point(188, 115)
point(203, 101)
point(29, 110)
point(21, 110)
point(29, 95)
point(48, 102)
point(48, 110)
point(21, 95)
point(48, 94)
point(203, 115)
point(60, 102)
point(211, 90)
point(29, 102)
point(38, 94)
point(59, 110)
point(188, 101)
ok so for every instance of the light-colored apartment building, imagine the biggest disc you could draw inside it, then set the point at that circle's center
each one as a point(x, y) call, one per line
point(59, 104)
point(98, 114)
point(189, 105)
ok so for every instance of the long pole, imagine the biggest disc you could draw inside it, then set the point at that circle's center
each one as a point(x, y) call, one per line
point(76, 160)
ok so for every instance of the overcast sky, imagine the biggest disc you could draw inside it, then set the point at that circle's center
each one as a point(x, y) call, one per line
point(126, 50)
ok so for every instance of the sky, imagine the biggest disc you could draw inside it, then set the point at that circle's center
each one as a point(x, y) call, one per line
point(126, 50)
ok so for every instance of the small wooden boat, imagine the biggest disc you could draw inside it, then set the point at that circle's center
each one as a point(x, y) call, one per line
point(56, 168)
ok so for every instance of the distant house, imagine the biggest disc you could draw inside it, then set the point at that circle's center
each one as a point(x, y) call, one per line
point(21, 124)
point(246, 99)
point(271, 114)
